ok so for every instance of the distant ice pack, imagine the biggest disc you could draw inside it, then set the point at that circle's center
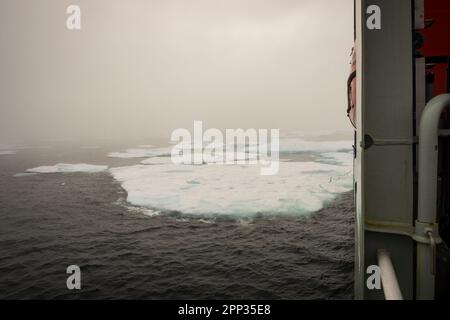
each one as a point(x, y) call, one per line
point(141, 152)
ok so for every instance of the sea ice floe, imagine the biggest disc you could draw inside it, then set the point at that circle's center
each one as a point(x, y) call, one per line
point(24, 174)
point(341, 158)
point(216, 158)
point(69, 168)
point(294, 145)
point(215, 188)
point(236, 190)
point(157, 160)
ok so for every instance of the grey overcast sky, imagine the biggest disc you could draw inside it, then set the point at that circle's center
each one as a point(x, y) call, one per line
point(141, 68)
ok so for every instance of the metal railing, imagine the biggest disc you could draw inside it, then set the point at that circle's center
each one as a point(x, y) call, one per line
point(426, 227)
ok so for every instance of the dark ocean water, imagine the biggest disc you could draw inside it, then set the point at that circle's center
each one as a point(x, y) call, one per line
point(51, 221)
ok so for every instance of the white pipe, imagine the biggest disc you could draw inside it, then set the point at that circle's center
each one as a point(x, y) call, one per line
point(389, 280)
point(428, 157)
point(426, 224)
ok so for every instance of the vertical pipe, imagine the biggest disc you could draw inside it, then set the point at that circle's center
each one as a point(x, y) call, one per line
point(428, 157)
point(427, 198)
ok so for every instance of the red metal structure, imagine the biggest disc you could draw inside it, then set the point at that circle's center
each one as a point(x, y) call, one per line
point(437, 42)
